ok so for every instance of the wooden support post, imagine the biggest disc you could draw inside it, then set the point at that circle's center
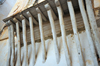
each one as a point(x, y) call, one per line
point(25, 42)
point(49, 11)
point(18, 42)
point(61, 21)
point(74, 25)
point(93, 25)
point(32, 37)
point(41, 34)
point(9, 47)
point(88, 31)
point(12, 43)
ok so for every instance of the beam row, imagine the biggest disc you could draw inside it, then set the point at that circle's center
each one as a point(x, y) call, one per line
point(51, 15)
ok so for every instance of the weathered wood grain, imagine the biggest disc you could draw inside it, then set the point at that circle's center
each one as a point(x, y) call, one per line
point(76, 34)
point(93, 25)
point(62, 26)
point(88, 31)
point(51, 19)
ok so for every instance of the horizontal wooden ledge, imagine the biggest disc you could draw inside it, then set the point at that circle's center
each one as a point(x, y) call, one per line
point(47, 27)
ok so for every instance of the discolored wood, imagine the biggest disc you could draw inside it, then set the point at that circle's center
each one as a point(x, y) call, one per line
point(25, 43)
point(93, 25)
point(19, 44)
point(32, 38)
point(88, 31)
point(61, 21)
point(76, 34)
point(42, 35)
point(51, 19)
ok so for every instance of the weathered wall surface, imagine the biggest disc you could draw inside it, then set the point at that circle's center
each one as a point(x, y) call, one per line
point(5, 8)
point(51, 58)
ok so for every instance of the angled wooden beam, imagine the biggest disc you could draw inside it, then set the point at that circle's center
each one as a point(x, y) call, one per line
point(88, 31)
point(9, 47)
point(61, 21)
point(44, 18)
point(25, 42)
point(41, 34)
point(93, 25)
point(18, 29)
point(34, 20)
point(32, 37)
point(12, 43)
point(74, 25)
point(51, 19)
point(23, 18)
point(18, 42)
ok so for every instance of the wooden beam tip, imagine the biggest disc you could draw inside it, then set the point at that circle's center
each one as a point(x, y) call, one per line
point(22, 17)
point(9, 21)
point(47, 6)
point(38, 10)
point(15, 19)
point(29, 14)
point(57, 2)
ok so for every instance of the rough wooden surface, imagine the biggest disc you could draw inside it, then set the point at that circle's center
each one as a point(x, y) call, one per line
point(52, 24)
point(51, 53)
point(63, 32)
point(42, 36)
point(47, 27)
point(22, 5)
point(66, 30)
point(32, 38)
point(75, 31)
point(9, 48)
point(19, 44)
point(25, 42)
point(88, 31)
point(93, 25)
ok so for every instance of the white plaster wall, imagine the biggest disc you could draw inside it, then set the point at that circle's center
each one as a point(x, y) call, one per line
point(51, 58)
point(5, 10)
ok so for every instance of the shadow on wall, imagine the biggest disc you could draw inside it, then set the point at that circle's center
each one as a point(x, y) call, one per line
point(2, 1)
point(5, 8)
